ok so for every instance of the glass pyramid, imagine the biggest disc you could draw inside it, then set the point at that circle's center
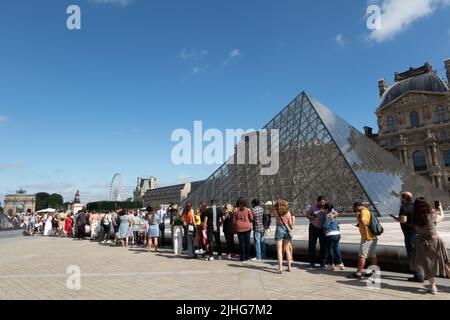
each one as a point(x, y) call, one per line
point(319, 154)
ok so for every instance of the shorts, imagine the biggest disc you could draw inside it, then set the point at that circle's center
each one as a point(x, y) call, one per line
point(281, 233)
point(368, 248)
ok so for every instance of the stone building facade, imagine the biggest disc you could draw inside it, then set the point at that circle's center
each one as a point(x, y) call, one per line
point(414, 122)
point(142, 186)
point(19, 203)
point(164, 196)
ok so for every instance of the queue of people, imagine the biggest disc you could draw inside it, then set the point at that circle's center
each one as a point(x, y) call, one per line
point(197, 232)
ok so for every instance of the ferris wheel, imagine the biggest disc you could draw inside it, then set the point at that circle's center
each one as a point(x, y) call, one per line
point(116, 189)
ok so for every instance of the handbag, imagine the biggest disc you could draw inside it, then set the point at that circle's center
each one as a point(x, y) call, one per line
point(288, 230)
point(191, 229)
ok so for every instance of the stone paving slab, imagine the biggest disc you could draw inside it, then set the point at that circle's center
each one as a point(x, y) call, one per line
point(36, 268)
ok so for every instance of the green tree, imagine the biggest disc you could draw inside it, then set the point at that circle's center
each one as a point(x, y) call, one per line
point(41, 200)
point(45, 200)
point(55, 201)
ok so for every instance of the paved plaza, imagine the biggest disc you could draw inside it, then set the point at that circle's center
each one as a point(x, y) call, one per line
point(36, 268)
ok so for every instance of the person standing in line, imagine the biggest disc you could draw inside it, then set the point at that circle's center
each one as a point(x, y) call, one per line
point(31, 223)
point(203, 229)
point(55, 224)
point(162, 226)
point(315, 217)
point(283, 233)
point(177, 227)
point(228, 230)
point(153, 232)
point(93, 220)
point(368, 245)
point(406, 220)
point(258, 230)
point(81, 224)
point(243, 219)
point(189, 221)
point(213, 222)
point(124, 228)
point(171, 212)
point(333, 236)
point(136, 228)
point(68, 226)
point(106, 224)
point(430, 254)
point(198, 232)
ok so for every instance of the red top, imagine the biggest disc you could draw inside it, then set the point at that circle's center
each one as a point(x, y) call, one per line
point(243, 220)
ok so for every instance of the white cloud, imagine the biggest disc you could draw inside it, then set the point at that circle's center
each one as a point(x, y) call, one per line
point(120, 3)
point(398, 15)
point(3, 119)
point(199, 69)
point(184, 177)
point(192, 54)
point(340, 40)
point(234, 54)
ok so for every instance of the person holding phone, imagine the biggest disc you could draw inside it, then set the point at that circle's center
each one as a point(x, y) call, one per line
point(406, 220)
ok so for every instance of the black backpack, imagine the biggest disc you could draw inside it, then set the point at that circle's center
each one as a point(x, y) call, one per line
point(267, 219)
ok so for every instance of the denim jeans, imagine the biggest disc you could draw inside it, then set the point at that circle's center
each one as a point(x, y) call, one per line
point(333, 252)
point(244, 245)
point(260, 244)
point(410, 243)
point(314, 234)
point(190, 242)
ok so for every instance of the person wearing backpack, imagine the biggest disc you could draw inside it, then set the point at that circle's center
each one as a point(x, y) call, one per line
point(259, 230)
point(369, 241)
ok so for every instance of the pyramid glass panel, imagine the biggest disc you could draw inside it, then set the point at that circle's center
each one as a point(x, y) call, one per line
point(319, 154)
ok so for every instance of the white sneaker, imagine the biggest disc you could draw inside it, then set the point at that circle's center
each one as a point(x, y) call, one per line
point(211, 259)
point(253, 259)
point(109, 242)
point(341, 267)
point(330, 267)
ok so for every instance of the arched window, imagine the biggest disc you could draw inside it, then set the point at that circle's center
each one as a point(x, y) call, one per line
point(414, 117)
point(420, 161)
point(441, 114)
point(391, 123)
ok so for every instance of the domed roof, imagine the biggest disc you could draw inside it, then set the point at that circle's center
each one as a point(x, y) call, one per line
point(420, 79)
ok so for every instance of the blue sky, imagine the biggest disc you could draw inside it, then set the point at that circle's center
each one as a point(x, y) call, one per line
point(77, 106)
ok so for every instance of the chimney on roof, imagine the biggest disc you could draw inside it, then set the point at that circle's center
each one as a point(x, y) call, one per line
point(447, 69)
point(368, 131)
point(382, 86)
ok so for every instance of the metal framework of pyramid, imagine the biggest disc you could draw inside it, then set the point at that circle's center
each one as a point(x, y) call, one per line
point(319, 154)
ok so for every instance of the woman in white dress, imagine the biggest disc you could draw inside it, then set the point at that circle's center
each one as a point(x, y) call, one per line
point(48, 225)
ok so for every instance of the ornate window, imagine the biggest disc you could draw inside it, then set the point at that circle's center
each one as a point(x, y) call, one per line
point(441, 114)
point(414, 117)
point(447, 158)
point(391, 124)
point(420, 161)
